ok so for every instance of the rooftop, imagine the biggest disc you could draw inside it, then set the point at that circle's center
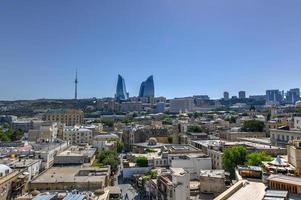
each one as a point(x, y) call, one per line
point(213, 173)
point(72, 174)
point(285, 179)
point(44, 197)
point(250, 191)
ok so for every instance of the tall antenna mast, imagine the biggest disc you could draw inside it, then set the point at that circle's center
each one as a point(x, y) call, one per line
point(75, 82)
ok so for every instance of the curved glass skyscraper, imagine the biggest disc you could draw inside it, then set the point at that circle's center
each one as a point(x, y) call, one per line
point(121, 93)
point(147, 88)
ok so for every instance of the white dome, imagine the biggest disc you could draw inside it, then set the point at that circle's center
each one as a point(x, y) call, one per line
point(4, 170)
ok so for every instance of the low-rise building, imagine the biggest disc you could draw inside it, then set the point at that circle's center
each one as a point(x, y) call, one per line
point(212, 181)
point(75, 155)
point(294, 156)
point(47, 151)
point(283, 182)
point(174, 185)
point(282, 137)
point(234, 135)
point(47, 131)
point(70, 178)
point(78, 135)
point(30, 167)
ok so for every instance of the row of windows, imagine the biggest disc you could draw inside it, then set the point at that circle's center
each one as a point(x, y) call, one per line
point(284, 137)
point(282, 186)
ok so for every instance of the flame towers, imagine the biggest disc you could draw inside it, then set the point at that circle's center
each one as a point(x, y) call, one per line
point(121, 93)
point(147, 88)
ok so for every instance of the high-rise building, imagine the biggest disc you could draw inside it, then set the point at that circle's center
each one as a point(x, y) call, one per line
point(226, 95)
point(147, 88)
point(121, 93)
point(273, 97)
point(293, 95)
point(242, 94)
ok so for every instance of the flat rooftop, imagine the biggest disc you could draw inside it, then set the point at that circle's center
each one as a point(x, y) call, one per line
point(251, 191)
point(285, 179)
point(72, 174)
point(213, 173)
point(19, 163)
point(78, 151)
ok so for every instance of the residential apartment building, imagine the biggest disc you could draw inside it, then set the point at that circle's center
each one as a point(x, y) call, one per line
point(78, 135)
point(47, 131)
point(282, 137)
point(69, 117)
point(212, 181)
point(174, 185)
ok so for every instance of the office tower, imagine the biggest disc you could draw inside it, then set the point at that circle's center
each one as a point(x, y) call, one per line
point(293, 95)
point(147, 88)
point(273, 97)
point(75, 82)
point(242, 94)
point(121, 93)
point(226, 95)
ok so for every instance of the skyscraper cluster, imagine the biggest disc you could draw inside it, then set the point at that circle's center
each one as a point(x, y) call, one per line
point(147, 88)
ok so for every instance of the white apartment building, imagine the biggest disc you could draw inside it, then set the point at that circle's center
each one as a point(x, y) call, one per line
point(174, 185)
point(78, 135)
point(191, 163)
point(297, 123)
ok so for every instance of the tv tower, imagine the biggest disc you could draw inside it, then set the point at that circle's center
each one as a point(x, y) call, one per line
point(75, 82)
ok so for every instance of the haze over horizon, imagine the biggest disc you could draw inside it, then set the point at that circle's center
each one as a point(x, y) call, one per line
point(191, 47)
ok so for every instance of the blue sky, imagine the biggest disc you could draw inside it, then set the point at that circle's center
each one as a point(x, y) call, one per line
point(191, 47)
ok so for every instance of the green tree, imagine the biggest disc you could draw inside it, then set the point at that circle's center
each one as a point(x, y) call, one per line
point(232, 157)
point(194, 129)
point(120, 146)
point(256, 158)
point(108, 122)
point(253, 126)
point(108, 157)
point(167, 121)
point(142, 161)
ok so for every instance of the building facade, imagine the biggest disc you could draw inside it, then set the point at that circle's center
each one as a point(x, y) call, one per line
point(69, 117)
point(121, 93)
point(147, 88)
point(78, 135)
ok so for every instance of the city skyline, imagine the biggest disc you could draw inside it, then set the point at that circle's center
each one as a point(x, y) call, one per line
point(191, 48)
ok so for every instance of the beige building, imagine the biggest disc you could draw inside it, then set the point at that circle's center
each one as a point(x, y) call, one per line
point(70, 178)
point(47, 131)
point(294, 156)
point(78, 135)
point(282, 182)
point(69, 117)
point(235, 135)
point(212, 181)
point(11, 182)
point(282, 137)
